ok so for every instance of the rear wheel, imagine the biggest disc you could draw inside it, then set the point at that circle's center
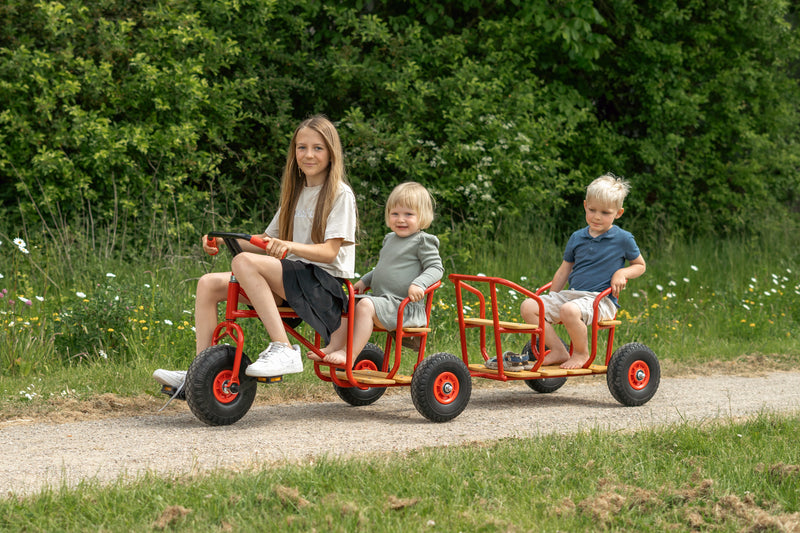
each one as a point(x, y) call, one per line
point(542, 385)
point(370, 358)
point(441, 387)
point(209, 392)
point(633, 374)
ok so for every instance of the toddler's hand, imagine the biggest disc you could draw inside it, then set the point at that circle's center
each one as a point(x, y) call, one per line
point(359, 287)
point(415, 293)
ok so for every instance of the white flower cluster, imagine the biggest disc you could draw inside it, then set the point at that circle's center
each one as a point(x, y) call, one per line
point(21, 245)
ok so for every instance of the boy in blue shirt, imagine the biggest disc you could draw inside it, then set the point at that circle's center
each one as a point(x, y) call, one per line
point(594, 260)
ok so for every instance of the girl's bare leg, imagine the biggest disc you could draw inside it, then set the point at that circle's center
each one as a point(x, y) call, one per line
point(211, 290)
point(261, 277)
point(338, 342)
point(362, 330)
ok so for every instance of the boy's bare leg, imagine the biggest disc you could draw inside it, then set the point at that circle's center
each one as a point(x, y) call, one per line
point(571, 318)
point(558, 353)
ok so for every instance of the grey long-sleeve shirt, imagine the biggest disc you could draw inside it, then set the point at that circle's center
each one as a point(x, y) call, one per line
point(403, 261)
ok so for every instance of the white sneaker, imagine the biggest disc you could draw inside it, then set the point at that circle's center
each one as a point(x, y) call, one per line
point(278, 359)
point(170, 378)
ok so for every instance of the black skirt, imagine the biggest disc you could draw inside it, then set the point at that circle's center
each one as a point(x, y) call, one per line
point(316, 296)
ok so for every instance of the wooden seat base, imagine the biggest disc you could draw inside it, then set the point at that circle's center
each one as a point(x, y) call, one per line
point(544, 371)
point(501, 323)
point(374, 377)
point(521, 325)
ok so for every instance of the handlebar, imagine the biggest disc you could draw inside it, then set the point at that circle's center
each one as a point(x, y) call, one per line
point(231, 241)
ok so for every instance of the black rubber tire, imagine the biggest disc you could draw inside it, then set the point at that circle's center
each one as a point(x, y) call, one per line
point(441, 387)
point(371, 357)
point(542, 385)
point(633, 374)
point(215, 407)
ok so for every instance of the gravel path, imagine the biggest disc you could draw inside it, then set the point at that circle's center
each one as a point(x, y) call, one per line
point(36, 455)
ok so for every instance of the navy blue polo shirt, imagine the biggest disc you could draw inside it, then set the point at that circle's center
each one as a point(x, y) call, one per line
point(595, 259)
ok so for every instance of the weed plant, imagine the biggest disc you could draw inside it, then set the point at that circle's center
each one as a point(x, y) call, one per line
point(742, 476)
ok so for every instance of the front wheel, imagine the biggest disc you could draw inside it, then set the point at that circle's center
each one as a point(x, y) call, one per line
point(633, 374)
point(441, 387)
point(370, 358)
point(209, 392)
point(542, 385)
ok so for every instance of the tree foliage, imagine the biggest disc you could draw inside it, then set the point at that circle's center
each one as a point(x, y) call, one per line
point(163, 120)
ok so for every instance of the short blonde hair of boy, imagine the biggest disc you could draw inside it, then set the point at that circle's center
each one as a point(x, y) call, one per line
point(609, 190)
point(414, 196)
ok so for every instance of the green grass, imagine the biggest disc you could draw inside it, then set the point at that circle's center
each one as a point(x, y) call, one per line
point(741, 476)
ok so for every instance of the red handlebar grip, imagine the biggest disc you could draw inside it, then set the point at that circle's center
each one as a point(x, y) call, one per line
point(212, 242)
point(263, 243)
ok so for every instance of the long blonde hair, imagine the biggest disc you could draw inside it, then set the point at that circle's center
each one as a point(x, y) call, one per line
point(293, 180)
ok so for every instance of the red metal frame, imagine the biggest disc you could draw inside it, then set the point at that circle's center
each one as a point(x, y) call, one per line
point(347, 366)
point(229, 328)
point(463, 282)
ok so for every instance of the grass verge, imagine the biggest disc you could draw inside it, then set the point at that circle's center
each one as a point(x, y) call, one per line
point(721, 476)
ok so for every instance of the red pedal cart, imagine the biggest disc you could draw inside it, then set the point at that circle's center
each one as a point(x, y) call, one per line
point(220, 393)
point(632, 372)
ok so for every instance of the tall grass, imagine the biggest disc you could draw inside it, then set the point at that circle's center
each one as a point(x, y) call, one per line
point(97, 324)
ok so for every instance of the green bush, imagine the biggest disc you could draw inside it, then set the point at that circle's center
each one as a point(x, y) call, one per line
point(149, 123)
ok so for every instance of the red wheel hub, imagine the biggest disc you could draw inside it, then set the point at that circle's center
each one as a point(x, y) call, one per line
point(639, 375)
point(445, 387)
point(222, 391)
point(366, 364)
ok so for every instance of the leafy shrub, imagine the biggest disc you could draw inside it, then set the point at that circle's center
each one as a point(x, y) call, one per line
point(150, 123)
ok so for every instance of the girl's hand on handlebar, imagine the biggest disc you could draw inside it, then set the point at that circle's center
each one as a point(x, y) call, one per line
point(210, 245)
point(278, 248)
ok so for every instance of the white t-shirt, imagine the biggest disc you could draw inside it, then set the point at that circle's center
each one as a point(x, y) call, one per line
point(341, 225)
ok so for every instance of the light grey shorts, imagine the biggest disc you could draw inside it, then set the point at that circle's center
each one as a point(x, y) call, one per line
point(583, 299)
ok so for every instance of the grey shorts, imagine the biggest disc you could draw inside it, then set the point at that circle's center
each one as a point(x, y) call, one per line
point(583, 299)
